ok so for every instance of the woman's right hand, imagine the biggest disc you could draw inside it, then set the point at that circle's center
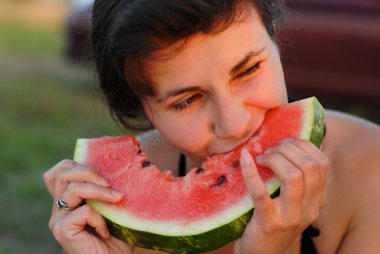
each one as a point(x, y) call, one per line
point(80, 229)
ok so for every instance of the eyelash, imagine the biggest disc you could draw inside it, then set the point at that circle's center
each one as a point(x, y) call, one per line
point(188, 102)
point(249, 71)
point(192, 99)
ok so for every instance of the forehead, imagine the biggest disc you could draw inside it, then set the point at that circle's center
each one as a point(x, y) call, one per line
point(244, 13)
point(205, 55)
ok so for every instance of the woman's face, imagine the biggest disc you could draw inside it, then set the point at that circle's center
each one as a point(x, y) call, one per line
point(213, 95)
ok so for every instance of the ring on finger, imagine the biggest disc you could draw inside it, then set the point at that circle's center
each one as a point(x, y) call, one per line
point(62, 205)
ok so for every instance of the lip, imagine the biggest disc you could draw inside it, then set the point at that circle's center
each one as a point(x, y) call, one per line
point(243, 142)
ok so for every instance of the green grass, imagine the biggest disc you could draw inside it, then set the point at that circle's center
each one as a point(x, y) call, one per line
point(38, 128)
point(28, 40)
point(46, 103)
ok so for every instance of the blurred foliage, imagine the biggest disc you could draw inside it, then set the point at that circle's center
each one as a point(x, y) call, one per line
point(20, 38)
point(46, 103)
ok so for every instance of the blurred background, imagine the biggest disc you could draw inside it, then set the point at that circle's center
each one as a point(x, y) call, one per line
point(48, 93)
point(47, 100)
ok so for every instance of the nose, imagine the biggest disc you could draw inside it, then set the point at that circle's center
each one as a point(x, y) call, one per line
point(231, 118)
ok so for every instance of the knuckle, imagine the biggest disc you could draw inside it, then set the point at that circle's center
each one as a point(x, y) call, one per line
point(56, 229)
point(311, 167)
point(309, 163)
point(313, 213)
point(47, 175)
point(51, 224)
point(293, 223)
point(294, 178)
point(270, 228)
point(324, 162)
point(260, 196)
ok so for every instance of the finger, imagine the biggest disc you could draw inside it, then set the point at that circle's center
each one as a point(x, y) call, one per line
point(49, 176)
point(254, 183)
point(67, 171)
point(307, 164)
point(80, 173)
point(303, 144)
point(292, 183)
point(319, 158)
point(76, 192)
point(76, 222)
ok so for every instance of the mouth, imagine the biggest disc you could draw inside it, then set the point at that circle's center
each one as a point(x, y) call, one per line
point(242, 143)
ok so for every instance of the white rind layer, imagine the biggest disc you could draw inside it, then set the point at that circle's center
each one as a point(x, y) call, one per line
point(172, 228)
point(80, 154)
point(308, 118)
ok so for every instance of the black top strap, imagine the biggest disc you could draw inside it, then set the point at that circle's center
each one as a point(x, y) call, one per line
point(307, 245)
point(182, 165)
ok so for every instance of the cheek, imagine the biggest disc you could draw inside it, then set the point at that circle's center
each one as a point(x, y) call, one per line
point(268, 89)
point(189, 134)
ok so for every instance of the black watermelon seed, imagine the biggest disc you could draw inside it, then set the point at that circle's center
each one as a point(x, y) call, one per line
point(145, 164)
point(220, 180)
point(200, 170)
point(139, 151)
point(235, 164)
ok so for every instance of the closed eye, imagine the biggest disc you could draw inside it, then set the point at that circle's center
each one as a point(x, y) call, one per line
point(192, 100)
point(248, 71)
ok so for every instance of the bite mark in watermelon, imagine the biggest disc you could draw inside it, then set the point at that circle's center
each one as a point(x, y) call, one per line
point(207, 208)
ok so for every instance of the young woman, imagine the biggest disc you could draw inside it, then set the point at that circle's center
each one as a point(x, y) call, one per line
point(204, 74)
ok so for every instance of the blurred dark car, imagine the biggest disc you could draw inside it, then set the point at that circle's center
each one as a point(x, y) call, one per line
point(78, 34)
point(330, 48)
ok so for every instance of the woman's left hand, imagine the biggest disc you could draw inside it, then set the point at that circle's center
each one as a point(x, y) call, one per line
point(278, 223)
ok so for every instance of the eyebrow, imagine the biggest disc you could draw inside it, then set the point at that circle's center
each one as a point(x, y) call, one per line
point(235, 69)
point(245, 60)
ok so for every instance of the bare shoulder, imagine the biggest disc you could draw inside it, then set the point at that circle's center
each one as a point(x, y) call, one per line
point(352, 139)
point(353, 147)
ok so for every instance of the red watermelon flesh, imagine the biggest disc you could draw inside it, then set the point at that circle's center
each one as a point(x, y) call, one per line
point(214, 191)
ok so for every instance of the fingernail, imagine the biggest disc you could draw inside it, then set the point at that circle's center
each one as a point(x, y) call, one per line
point(259, 157)
point(104, 182)
point(287, 140)
point(117, 194)
point(245, 156)
point(269, 150)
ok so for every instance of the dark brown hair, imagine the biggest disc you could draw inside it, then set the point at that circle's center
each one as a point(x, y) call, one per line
point(127, 32)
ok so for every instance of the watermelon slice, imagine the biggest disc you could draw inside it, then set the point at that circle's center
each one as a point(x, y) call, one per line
point(202, 211)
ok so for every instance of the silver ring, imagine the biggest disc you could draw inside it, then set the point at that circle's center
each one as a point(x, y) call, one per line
point(62, 205)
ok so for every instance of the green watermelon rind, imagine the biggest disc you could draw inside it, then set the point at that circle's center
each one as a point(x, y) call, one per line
point(313, 127)
point(195, 243)
point(190, 242)
point(216, 235)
